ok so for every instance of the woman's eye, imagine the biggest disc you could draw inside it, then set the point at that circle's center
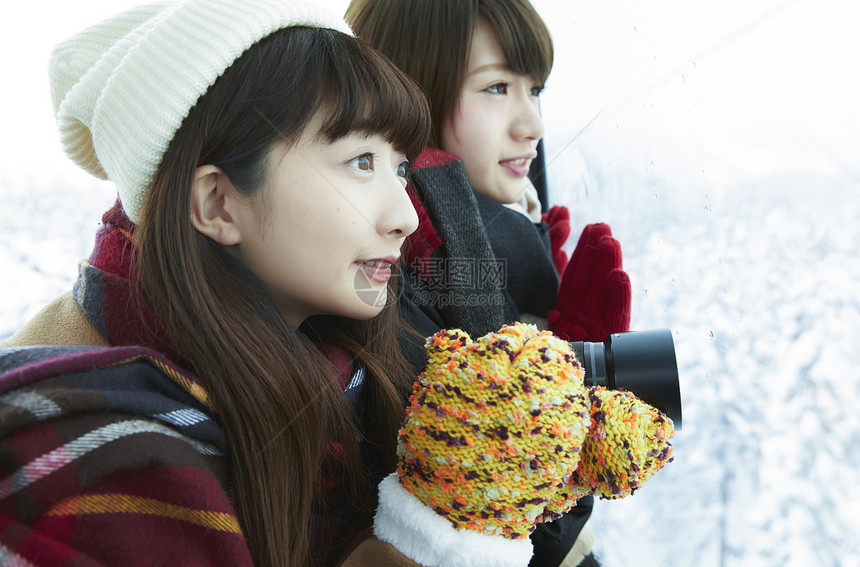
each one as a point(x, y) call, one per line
point(402, 169)
point(498, 88)
point(363, 162)
point(536, 90)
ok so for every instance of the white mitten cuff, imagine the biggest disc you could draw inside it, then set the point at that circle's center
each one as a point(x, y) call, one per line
point(427, 538)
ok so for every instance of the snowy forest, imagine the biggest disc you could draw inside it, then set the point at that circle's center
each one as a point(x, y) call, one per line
point(719, 141)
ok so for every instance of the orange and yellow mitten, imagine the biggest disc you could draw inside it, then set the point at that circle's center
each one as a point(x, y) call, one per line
point(502, 434)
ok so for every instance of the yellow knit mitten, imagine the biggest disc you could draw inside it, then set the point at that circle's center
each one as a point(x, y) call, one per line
point(627, 442)
point(495, 429)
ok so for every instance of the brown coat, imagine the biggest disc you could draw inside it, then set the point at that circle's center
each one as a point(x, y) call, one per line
point(62, 322)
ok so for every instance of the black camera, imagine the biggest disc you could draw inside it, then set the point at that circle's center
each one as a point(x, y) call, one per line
point(642, 362)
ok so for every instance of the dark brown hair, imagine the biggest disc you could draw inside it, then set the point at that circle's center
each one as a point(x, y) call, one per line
point(271, 384)
point(429, 40)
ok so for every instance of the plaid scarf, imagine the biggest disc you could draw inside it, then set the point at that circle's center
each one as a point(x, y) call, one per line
point(110, 456)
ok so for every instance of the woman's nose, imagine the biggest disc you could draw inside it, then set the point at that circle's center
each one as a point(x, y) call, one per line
point(528, 124)
point(398, 217)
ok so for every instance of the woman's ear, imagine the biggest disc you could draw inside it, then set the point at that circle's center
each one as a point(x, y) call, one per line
point(214, 205)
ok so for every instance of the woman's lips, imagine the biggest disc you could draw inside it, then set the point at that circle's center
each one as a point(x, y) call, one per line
point(376, 270)
point(517, 166)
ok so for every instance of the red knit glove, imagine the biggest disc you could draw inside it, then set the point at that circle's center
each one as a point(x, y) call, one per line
point(558, 220)
point(593, 299)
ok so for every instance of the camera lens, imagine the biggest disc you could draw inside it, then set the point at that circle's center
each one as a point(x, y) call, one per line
point(642, 362)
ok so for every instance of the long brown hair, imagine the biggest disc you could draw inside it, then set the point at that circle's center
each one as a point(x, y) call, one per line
point(271, 384)
point(429, 40)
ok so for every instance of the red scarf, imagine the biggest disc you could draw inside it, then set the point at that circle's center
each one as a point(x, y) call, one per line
point(420, 244)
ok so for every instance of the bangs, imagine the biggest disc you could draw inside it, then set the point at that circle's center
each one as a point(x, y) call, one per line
point(524, 37)
point(272, 92)
point(365, 92)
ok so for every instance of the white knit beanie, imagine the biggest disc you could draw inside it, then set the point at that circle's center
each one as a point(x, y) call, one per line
point(122, 88)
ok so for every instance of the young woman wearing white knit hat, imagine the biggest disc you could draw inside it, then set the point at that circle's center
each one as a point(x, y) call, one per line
point(196, 374)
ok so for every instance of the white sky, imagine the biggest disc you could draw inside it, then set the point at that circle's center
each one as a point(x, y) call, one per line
point(748, 87)
point(736, 88)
